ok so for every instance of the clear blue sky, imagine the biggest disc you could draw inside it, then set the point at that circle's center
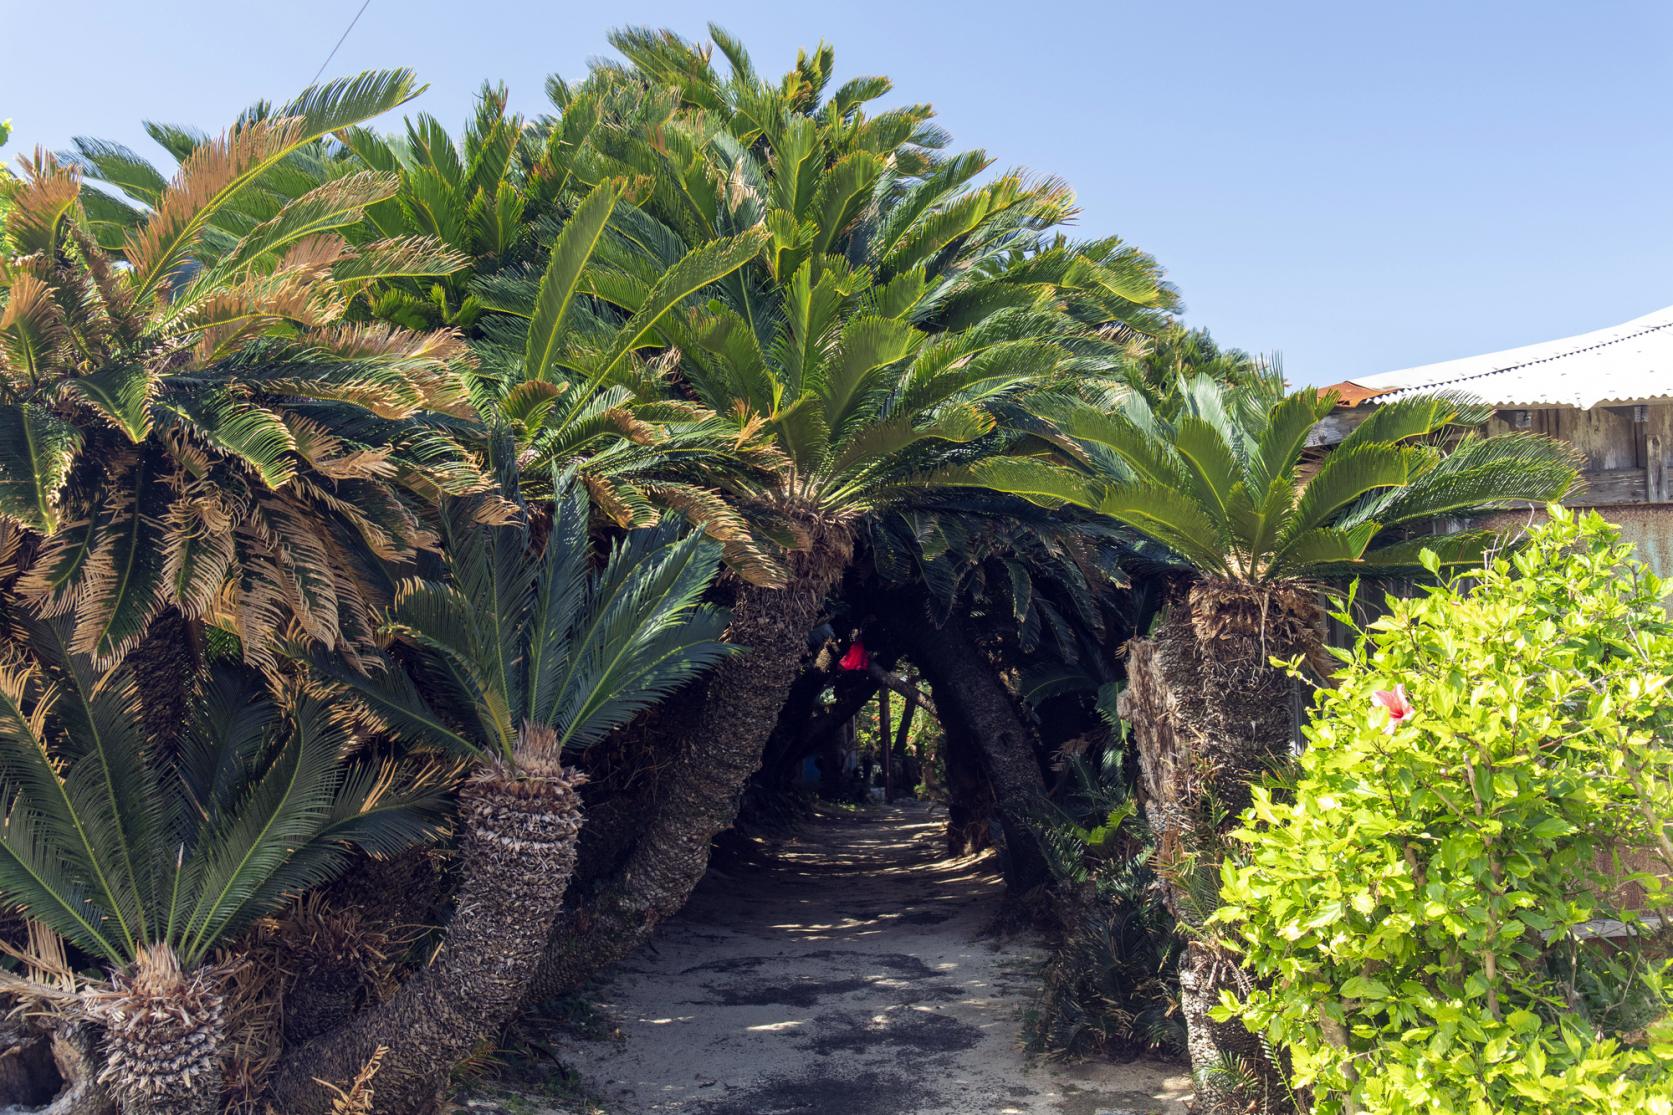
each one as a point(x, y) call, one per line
point(1357, 186)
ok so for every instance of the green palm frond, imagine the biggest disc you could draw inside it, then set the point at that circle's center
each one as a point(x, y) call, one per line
point(117, 843)
point(524, 635)
point(1218, 471)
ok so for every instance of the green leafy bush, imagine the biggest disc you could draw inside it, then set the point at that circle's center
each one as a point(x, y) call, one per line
point(1419, 907)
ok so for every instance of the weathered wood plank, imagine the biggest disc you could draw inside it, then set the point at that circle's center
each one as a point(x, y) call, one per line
point(1601, 487)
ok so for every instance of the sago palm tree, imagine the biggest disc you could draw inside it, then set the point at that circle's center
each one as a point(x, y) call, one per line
point(894, 313)
point(523, 653)
point(145, 858)
point(569, 362)
point(1223, 477)
point(189, 421)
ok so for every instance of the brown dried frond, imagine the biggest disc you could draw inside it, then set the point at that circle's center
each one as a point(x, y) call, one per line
point(394, 373)
point(537, 747)
point(199, 548)
point(255, 608)
point(40, 205)
point(1282, 615)
point(495, 511)
point(11, 548)
point(31, 326)
point(387, 526)
point(101, 582)
point(251, 1016)
point(326, 454)
point(41, 586)
point(49, 982)
point(110, 286)
point(229, 316)
point(718, 519)
point(211, 170)
point(608, 496)
point(401, 256)
point(357, 1100)
point(630, 426)
point(302, 555)
point(1243, 624)
point(313, 256)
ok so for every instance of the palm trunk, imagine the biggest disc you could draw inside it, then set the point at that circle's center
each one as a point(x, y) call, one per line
point(969, 796)
point(29, 1075)
point(164, 1034)
point(715, 743)
point(1208, 718)
point(517, 854)
point(75, 1050)
point(971, 698)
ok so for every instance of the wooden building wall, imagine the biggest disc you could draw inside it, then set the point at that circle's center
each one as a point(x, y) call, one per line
point(1626, 460)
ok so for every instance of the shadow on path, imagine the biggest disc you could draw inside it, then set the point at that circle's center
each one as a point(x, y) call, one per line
point(843, 973)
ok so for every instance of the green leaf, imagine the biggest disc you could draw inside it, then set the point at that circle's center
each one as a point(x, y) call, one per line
point(703, 265)
point(571, 252)
point(1040, 481)
point(122, 393)
point(37, 449)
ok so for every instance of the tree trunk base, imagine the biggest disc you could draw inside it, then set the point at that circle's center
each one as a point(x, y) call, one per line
point(516, 858)
point(164, 1037)
point(1200, 745)
point(1229, 1065)
point(75, 1052)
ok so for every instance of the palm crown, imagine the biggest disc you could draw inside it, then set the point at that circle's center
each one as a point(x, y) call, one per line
point(521, 634)
point(117, 842)
point(1223, 477)
point(894, 309)
point(192, 421)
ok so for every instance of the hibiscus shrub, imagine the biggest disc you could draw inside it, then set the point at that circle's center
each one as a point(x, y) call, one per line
point(1439, 907)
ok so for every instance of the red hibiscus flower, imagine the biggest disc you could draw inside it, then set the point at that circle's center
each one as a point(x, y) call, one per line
point(1399, 706)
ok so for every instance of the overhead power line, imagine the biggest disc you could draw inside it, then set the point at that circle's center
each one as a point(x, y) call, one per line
point(340, 39)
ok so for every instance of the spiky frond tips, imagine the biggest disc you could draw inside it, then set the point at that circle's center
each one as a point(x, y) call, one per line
point(1217, 472)
point(118, 844)
point(513, 637)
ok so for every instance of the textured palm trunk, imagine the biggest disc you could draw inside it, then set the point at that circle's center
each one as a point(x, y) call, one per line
point(516, 857)
point(972, 699)
point(335, 942)
point(969, 796)
point(75, 1052)
point(164, 1033)
point(30, 1075)
point(715, 741)
point(1208, 717)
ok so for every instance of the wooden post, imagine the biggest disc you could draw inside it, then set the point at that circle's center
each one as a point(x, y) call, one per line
point(901, 733)
point(886, 743)
point(1655, 470)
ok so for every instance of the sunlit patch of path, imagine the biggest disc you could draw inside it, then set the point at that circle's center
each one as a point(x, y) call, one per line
point(845, 973)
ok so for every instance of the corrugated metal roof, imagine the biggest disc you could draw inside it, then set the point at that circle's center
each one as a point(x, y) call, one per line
point(1625, 363)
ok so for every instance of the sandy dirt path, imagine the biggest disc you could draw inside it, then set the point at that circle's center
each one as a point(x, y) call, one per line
point(845, 973)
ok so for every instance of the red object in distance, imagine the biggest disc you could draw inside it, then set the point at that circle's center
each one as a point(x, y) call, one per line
point(855, 658)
